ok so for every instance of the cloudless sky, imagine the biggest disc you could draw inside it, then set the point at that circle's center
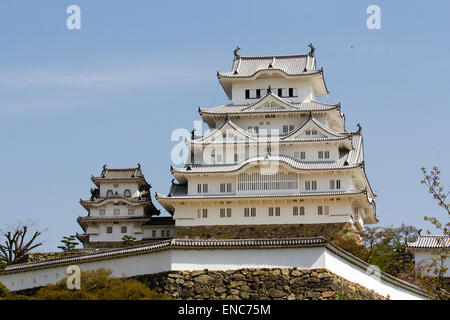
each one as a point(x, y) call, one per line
point(113, 92)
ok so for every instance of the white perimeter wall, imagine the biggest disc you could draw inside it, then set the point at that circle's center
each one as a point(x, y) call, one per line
point(216, 259)
point(423, 258)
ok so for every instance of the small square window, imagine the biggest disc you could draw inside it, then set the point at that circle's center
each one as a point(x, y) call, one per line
point(302, 155)
point(307, 185)
point(109, 229)
point(102, 212)
point(320, 155)
point(123, 229)
point(320, 210)
point(277, 211)
point(302, 211)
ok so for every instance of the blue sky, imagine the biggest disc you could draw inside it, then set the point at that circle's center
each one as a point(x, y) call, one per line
point(113, 92)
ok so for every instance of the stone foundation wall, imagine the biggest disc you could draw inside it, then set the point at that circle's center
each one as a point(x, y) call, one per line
point(257, 284)
point(331, 231)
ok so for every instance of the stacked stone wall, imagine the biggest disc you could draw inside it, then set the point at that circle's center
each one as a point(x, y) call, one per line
point(257, 284)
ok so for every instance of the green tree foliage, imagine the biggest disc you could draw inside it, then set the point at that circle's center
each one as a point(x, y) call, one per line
point(437, 284)
point(385, 247)
point(98, 285)
point(69, 243)
point(128, 241)
point(5, 294)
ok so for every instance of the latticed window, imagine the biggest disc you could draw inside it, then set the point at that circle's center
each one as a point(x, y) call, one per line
point(257, 181)
point(123, 229)
point(109, 229)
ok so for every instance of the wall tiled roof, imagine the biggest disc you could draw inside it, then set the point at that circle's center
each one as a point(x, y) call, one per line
point(430, 242)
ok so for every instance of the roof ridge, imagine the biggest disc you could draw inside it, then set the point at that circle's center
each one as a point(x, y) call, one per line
point(293, 55)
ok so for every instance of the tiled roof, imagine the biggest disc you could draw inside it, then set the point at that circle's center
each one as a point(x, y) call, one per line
point(307, 106)
point(430, 242)
point(276, 138)
point(120, 174)
point(341, 163)
point(180, 192)
point(130, 200)
point(83, 221)
point(300, 64)
point(160, 221)
point(127, 173)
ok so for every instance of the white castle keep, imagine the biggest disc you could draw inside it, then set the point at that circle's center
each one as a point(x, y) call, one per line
point(273, 157)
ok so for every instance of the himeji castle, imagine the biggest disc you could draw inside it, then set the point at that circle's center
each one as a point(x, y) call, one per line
point(272, 186)
point(276, 162)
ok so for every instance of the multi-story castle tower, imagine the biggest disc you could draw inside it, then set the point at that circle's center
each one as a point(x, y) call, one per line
point(119, 206)
point(276, 162)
